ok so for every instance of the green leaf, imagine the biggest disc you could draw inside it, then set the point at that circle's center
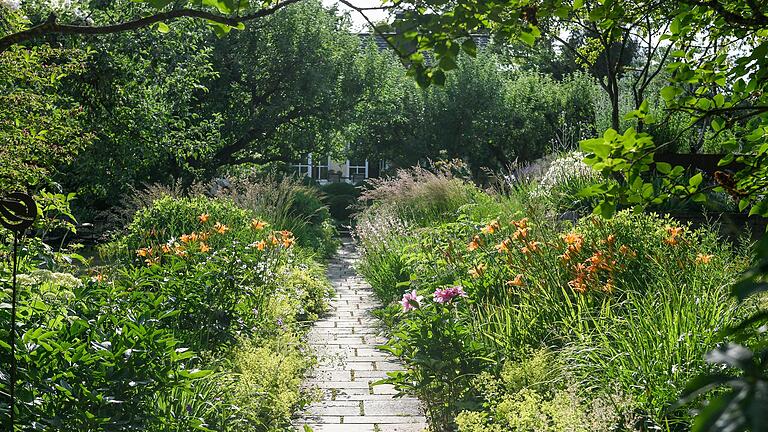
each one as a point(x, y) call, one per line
point(470, 47)
point(163, 27)
point(606, 209)
point(528, 38)
point(695, 180)
point(663, 167)
point(159, 4)
point(717, 124)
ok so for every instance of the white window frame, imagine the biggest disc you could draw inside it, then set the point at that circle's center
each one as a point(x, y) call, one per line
point(356, 168)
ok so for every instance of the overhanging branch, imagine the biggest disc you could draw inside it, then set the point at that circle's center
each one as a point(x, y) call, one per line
point(51, 26)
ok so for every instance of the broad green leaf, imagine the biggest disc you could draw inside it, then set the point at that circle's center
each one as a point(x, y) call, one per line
point(163, 27)
point(663, 167)
point(696, 180)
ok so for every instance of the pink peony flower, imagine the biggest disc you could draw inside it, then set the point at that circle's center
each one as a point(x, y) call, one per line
point(411, 301)
point(447, 294)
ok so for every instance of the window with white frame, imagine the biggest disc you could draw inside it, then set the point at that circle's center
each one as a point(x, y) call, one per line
point(314, 167)
point(358, 169)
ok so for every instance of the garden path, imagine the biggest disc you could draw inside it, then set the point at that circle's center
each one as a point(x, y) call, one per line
point(345, 342)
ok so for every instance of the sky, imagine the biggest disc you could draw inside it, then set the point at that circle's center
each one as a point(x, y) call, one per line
point(357, 20)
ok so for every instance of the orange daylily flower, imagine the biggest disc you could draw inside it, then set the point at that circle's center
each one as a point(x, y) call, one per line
point(258, 224)
point(152, 261)
point(704, 259)
point(517, 281)
point(521, 224)
point(143, 252)
point(203, 236)
point(503, 246)
point(220, 228)
point(185, 238)
point(165, 248)
point(180, 251)
point(477, 271)
point(261, 245)
point(521, 233)
point(609, 287)
point(204, 248)
point(611, 239)
point(474, 244)
point(273, 240)
point(530, 247)
point(203, 218)
point(193, 237)
point(673, 233)
point(578, 285)
point(573, 238)
point(491, 227)
point(288, 242)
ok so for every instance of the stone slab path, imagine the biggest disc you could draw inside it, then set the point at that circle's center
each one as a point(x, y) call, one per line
point(345, 342)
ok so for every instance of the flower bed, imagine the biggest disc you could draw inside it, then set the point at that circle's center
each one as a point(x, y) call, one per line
point(508, 320)
point(192, 322)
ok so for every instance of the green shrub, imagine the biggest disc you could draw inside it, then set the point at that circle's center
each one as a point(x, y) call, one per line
point(267, 390)
point(599, 294)
point(92, 356)
point(341, 198)
point(536, 394)
point(194, 285)
point(289, 204)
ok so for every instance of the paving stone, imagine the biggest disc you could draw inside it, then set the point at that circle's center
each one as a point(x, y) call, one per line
point(344, 428)
point(349, 364)
point(412, 427)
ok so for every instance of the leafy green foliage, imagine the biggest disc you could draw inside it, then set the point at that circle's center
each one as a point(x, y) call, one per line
point(743, 380)
point(482, 113)
point(628, 306)
point(136, 343)
point(41, 126)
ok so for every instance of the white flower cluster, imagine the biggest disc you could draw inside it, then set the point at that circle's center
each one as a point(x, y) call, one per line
point(564, 169)
point(13, 5)
point(38, 277)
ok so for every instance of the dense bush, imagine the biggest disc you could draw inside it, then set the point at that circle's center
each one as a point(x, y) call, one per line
point(192, 321)
point(625, 308)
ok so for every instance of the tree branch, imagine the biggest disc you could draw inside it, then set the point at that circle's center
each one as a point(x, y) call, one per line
point(51, 26)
